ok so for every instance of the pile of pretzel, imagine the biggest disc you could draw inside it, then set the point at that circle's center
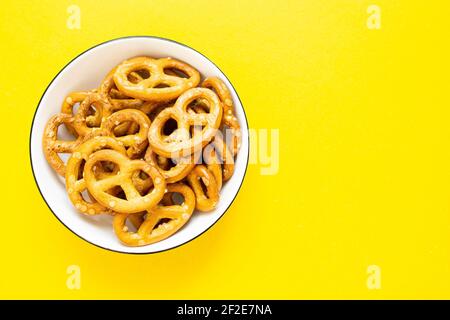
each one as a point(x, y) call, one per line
point(152, 144)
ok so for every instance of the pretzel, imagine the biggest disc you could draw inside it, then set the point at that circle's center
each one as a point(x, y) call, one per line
point(179, 143)
point(134, 201)
point(229, 118)
point(52, 146)
point(201, 174)
point(75, 183)
point(102, 109)
point(137, 142)
point(159, 86)
point(68, 104)
point(155, 226)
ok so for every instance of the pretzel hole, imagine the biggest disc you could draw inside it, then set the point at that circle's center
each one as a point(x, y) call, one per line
point(161, 85)
point(80, 171)
point(117, 192)
point(177, 198)
point(176, 72)
point(63, 134)
point(93, 118)
point(169, 127)
point(161, 222)
point(134, 221)
point(138, 75)
point(109, 167)
point(142, 182)
point(75, 107)
point(199, 105)
point(167, 164)
point(163, 163)
point(87, 197)
point(203, 185)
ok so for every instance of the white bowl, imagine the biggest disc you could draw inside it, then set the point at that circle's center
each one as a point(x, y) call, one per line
point(86, 72)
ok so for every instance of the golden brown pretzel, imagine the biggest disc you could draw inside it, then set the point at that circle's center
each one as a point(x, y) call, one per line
point(229, 118)
point(68, 104)
point(53, 147)
point(179, 143)
point(160, 222)
point(102, 109)
point(134, 202)
point(159, 86)
point(136, 143)
point(201, 174)
point(75, 183)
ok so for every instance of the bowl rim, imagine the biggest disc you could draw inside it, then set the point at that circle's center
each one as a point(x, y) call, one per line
point(51, 82)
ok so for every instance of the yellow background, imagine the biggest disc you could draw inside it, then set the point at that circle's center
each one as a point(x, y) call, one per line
point(364, 173)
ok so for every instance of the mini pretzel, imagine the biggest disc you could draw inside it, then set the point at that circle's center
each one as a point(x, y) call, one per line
point(153, 228)
point(179, 143)
point(134, 202)
point(136, 142)
point(201, 174)
point(159, 86)
point(75, 184)
point(52, 146)
point(68, 104)
point(103, 109)
point(229, 118)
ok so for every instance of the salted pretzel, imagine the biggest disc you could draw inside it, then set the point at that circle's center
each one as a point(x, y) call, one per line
point(134, 202)
point(136, 143)
point(102, 109)
point(158, 86)
point(179, 143)
point(201, 174)
point(75, 183)
point(68, 104)
point(160, 222)
point(229, 118)
point(53, 146)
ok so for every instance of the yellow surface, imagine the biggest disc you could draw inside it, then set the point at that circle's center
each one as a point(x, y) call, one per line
point(364, 173)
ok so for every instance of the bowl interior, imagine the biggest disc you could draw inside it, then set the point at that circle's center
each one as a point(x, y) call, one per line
point(86, 72)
